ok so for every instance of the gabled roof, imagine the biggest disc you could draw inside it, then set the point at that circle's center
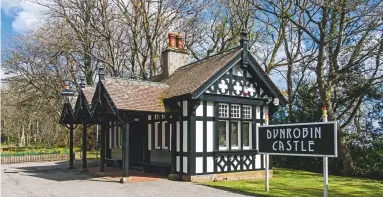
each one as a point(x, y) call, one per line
point(188, 78)
point(136, 95)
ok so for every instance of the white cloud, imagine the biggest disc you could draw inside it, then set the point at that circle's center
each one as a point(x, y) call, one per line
point(27, 15)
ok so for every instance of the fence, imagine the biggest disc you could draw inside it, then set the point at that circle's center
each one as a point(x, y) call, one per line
point(34, 158)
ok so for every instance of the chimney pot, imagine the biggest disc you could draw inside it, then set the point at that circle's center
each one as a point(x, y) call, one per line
point(172, 41)
point(179, 41)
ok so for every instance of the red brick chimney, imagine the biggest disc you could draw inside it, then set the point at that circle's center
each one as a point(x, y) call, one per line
point(179, 41)
point(172, 40)
point(175, 55)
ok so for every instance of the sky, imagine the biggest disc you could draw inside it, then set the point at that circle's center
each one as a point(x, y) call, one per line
point(17, 17)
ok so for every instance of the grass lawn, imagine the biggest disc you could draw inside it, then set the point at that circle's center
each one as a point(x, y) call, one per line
point(286, 182)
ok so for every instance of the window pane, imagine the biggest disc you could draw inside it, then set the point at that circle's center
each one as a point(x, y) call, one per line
point(246, 112)
point(235, 111)
point(222, 133)
point(223, 110)
point(246, 130)
point(234, 134)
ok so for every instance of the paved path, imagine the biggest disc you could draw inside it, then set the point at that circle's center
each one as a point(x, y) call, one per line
point(53, 180)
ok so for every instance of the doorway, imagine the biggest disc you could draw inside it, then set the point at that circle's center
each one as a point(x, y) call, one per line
point(137, 141)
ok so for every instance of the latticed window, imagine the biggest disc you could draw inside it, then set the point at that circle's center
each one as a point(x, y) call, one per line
point(223, 110)
point(235, 111)
point(246, 110)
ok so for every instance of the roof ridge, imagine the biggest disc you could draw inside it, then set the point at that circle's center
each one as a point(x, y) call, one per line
point(210, 57)
point(137, 81)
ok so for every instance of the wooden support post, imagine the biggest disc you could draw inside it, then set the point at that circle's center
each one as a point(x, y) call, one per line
point(71, 155)
point(174, 144)
point(84, 162)
point(103, 148)
point(266, 158)
point(125, 176)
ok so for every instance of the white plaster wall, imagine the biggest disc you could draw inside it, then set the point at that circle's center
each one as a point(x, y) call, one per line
point(258, 112)
point(209, 164)
point(185, 108)
point(237, 71)
point(177, 163)
point(209, 136)
point(199, 136)
point(156, 145)
point(199, 110)
point(185, 164)
point(178, 136)
point(257, 135)
point(199, 165)
point(185, 136)
point(149, 137)
point(258, 162)
point(210, 109)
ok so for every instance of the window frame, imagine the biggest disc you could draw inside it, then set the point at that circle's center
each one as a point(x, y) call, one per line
point(227, 110)
point(240, 120)
point(250, 112)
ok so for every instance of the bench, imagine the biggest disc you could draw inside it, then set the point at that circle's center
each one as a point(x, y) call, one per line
point(113, 161)
point(157, 167)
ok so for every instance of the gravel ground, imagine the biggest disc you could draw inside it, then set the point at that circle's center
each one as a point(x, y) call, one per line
point(53, 179)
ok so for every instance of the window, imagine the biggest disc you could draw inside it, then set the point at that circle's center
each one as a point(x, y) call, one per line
point(235, 111)
point(246, 126)
point(246, 110)
point(222, 133)
point(235, 128)
point(234, 134)
point(223, 110)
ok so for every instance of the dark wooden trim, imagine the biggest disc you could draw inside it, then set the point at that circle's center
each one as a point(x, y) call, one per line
point(258, 72)
point(254, 127)
point(153, 141)
point(113, 145)
point(174, 145)
point(229, 111)
point(204, 136)
point(167, 134)
point(103, 147)
point(159, 134)
point(201, 118)
point(107, 138)
point(191, 140)
point(233, 99)
point(181, 140)
point(216, 131)
point(71, 154)
point(199, 91)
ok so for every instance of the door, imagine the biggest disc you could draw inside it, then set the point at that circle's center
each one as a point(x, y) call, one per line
point(136, 143)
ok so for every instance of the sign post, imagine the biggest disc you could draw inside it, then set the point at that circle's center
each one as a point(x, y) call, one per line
point(325, 162)
point(316, 139)
point(266, 158)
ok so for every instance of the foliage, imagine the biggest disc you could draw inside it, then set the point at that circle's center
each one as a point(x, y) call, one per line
point(35, 150)
point(286, 182)
point(365, 144)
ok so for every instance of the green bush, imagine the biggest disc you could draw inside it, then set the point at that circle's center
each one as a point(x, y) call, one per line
point(20, 151)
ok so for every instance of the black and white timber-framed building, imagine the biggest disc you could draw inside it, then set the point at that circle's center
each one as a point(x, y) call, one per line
point(193, 119)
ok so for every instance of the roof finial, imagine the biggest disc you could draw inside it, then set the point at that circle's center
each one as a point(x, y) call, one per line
point(244, 39)
point(101, 73)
